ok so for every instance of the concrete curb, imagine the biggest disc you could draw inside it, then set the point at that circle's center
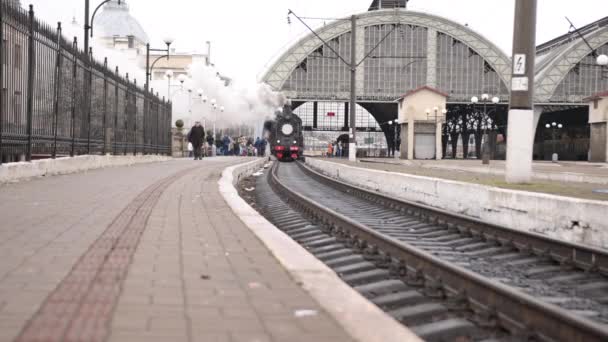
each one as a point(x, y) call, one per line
point(14, 172)
point(565, 218)
point(360, 318)
point(538, 175)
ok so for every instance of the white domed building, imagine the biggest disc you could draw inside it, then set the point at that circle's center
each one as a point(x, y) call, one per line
point(118, 29)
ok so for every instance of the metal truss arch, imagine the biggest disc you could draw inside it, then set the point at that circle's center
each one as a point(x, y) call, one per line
point(554, 71)
point(279, 72)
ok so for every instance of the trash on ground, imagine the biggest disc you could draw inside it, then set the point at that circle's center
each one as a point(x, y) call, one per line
point(249, 189)
point(305, 313)
point(205, 277)
point(257, 174)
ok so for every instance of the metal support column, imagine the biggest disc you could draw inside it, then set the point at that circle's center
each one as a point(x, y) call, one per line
point(315, 114)
point(346, 114)
point(352, 148)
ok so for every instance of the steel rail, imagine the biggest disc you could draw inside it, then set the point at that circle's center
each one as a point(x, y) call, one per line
point(516, 311)
point(566, 253)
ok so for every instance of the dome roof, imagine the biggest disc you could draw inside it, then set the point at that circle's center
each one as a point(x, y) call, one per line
point(115, 20)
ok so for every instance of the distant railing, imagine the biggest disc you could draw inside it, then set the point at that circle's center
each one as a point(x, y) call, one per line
point(55, 101)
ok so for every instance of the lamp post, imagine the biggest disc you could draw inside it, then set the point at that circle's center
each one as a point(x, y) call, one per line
point(485, 150)
point(554, 127)
point(88, 26)
point(168, 41)
point(169, 75)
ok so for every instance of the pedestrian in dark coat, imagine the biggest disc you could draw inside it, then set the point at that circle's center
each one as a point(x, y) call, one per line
point(197, 138)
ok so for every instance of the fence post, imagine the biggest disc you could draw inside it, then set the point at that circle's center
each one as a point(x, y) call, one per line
point(105, 106)
point(74, 74)
point(2, 61)
point(126, 117)
point(57, 85)
point(153, 136)
point(30, 84)
point(88, 95)
point(143, 121)
point(134, 97)
point(116, 83)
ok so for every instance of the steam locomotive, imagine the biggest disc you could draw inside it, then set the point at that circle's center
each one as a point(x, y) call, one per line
point(285, 135)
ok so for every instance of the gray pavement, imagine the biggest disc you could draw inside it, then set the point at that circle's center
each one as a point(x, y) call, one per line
point(143, 253)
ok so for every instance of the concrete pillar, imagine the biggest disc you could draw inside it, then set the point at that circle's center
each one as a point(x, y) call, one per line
point(599, 142)
point(520, 139)
point(598, 121)
point(410, 138)
point(404, 141)
point(438, 145)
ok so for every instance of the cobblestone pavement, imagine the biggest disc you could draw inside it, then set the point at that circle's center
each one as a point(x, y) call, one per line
point(143, 253)
point(464, 171)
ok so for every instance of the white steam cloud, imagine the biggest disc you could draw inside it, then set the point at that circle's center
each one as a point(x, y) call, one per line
point(125, 60)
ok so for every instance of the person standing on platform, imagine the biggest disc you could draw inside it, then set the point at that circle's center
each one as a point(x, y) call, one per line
point(197, 137)
point(190, 150)
point(210, 142)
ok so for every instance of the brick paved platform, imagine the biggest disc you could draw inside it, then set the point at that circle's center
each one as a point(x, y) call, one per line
point(143, 253)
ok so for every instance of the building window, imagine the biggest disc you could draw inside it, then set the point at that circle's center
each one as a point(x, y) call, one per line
point(131, 42)
point(596, 103)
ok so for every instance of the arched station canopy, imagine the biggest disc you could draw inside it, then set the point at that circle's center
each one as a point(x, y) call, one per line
point(566, 70)
point(421, 49)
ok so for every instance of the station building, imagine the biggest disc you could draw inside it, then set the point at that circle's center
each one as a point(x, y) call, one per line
point(416, 50)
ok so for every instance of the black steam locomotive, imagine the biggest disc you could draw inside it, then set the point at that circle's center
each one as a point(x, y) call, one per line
point(285, 135)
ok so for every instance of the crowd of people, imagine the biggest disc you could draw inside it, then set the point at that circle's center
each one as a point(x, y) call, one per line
point(199, 146)
point(335, 149)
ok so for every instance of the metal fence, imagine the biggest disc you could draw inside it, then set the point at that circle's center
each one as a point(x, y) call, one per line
point(56, 101)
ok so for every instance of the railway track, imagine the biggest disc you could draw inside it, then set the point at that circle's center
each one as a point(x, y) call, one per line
point(445, 276)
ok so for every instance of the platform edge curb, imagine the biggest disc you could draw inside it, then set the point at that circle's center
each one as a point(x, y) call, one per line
point(361, 319)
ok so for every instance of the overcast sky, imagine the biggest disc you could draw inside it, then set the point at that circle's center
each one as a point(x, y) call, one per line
point(246, 34)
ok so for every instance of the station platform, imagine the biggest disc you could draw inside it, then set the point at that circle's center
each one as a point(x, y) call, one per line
point(149, 253)
point(572, 179)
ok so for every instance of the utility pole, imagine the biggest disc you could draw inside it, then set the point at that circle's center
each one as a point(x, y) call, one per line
point(352, 142)
point(520, 133)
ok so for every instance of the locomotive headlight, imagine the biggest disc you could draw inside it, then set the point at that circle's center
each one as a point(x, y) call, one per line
point(287, 129)
point(295, 142)
point(278, 141)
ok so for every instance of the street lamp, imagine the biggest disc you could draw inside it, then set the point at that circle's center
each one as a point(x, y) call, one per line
point(554, 127)
point(89, 26)
point(169, 75)
point(485, 98)
point(168, 41)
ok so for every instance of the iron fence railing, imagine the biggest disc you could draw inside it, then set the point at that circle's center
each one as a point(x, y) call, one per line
point(56, 101)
